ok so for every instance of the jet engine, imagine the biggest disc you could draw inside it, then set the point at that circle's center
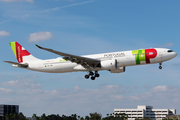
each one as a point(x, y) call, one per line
point(118, 70)
point(109, 64)
point(112, 65)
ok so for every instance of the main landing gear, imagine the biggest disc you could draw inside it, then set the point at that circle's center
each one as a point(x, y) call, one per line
point(93, 75)
point(160, 67)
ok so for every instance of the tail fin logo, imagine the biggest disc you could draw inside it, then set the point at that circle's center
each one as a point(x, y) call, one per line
point(19, 51)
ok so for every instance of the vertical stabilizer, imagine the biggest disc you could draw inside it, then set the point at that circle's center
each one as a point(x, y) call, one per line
point(20, 53)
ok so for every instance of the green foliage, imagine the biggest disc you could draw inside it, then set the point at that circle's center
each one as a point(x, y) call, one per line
point(173, 118)
point(13, 116)
point(43, 116)
point(81, 118)
point(55, 117)
point(120, 116)
point(92, 116)
point(87, 118)
point(143, 118)
point(95, 116)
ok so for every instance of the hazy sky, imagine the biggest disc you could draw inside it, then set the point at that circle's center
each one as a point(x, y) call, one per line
point(83, 27)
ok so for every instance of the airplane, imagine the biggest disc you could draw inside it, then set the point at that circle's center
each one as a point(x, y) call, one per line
point(115, 62)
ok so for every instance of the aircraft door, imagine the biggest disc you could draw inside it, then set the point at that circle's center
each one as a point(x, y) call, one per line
point(40, 64)
point(160, 54)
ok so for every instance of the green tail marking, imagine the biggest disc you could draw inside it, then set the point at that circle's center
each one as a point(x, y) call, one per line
point(13, 47)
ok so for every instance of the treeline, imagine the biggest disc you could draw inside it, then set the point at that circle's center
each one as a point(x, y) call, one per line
point(13, 116)
point(92, 116)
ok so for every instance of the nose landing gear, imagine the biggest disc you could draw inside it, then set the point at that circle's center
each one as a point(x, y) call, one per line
point(93, 75)
point(160, 67)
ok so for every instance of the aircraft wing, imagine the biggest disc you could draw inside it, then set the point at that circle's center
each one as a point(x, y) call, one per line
point(17, 64)
point(84, 61)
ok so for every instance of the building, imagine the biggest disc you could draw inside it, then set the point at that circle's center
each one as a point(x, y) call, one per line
point(146, 112)
point(7, 109)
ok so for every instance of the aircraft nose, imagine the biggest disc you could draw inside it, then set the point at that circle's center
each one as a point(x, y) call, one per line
point(175, 54)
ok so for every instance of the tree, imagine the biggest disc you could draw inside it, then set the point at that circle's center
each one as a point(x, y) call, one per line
point(81, 118)
point(120, 116)
point(123, 116)
point(7, 117)
point(53, 117)
point(20, 116)
point(87, 117)
point(13, 116)
point(73, 117)
point(43, 116)
point(172, 118)
point(146, 118)
point(34, 117)
point(10, 116)
point(95, 116)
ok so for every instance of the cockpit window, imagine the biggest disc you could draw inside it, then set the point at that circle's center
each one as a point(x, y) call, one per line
point(170, 51)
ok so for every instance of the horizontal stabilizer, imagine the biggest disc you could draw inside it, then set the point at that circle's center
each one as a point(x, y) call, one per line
point(17, 64)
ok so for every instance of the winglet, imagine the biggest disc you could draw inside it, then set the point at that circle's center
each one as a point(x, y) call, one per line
point(38, 46)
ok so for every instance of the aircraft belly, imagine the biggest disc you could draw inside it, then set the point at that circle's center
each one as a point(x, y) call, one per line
point(53, 67)
point(79, 68)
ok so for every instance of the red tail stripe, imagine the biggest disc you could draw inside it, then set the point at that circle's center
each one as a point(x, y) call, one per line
point(20, 53)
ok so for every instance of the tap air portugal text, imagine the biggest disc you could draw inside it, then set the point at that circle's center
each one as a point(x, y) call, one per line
point(115, 62)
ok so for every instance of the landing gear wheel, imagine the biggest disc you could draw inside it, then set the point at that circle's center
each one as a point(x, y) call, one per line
point(91, 73)
point(160, 67)
point(97, 75)
point(92, 78)
point(86, 76)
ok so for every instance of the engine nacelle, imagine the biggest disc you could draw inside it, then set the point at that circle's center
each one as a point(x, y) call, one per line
point(109, 64)
point(118, 70)
point(112, 66)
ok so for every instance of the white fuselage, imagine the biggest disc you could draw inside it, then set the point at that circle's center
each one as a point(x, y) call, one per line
point(123, 58)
